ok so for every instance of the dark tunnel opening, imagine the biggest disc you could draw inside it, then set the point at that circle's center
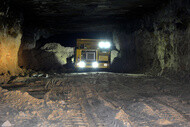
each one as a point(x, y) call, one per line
point(69, 39)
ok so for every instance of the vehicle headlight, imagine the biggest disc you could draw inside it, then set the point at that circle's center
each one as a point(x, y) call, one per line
point(81, 64)
point(104, 45)
point(101, 44)
point(107, 45)
point(95, 64)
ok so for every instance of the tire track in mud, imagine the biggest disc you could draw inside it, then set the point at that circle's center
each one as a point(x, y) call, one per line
point(64, 91)
point(105, 100)
point(79, 119)
point(141, 118)
point(118, 109)
point(187, 117)
point(2, 112)
point(80, 95)
point(122, 114)
point(97, 112)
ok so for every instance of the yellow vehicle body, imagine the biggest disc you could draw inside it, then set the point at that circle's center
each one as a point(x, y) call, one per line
point(88, 51)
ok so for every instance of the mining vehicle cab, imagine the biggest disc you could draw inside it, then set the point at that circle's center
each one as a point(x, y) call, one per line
point(92, 53)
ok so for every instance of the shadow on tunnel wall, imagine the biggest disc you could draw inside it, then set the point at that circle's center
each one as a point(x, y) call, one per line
point(125, 62)
point(120, 65)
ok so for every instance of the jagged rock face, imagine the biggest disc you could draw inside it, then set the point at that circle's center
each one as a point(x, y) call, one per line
point(9, 47)
point(31, 35)
point(161, 43)
point(10, 40)
point(166, 47)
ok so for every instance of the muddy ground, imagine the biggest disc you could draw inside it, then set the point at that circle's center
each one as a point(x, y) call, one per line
point(95, 100)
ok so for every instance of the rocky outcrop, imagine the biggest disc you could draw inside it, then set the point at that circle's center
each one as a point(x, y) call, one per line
point(51, 56)
point(31, 35)
point(61, 52)
point(10, 39)
point(9, 46)
point(114, 54)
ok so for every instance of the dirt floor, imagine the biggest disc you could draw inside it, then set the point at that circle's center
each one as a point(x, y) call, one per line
point(94, 100)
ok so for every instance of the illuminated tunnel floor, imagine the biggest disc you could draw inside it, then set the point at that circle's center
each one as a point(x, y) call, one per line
point(95, 99)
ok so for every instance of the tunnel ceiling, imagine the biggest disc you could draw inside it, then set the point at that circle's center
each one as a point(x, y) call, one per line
point(82, 15)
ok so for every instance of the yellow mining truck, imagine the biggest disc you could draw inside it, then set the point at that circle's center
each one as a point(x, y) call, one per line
point(92, 53)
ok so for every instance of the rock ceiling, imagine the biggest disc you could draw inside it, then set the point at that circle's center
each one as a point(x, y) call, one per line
point(82, 15)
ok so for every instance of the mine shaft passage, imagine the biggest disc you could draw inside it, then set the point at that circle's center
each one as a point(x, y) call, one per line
point(94, 63)
point(95, 99)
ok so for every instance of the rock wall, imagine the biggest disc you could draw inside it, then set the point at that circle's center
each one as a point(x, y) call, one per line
point(10, 40)
point(9, 46)
point(161, 41)
point(164, 45)
point(30, 36)
point(28, 42)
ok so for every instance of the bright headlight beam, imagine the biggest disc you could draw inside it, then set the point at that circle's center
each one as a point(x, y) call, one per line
point(95, 64)
point(101, 44)
point(104, 45)
point(107, 45)
point(81, 64)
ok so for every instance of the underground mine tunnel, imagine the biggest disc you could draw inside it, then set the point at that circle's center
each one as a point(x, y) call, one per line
point(46, 47)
